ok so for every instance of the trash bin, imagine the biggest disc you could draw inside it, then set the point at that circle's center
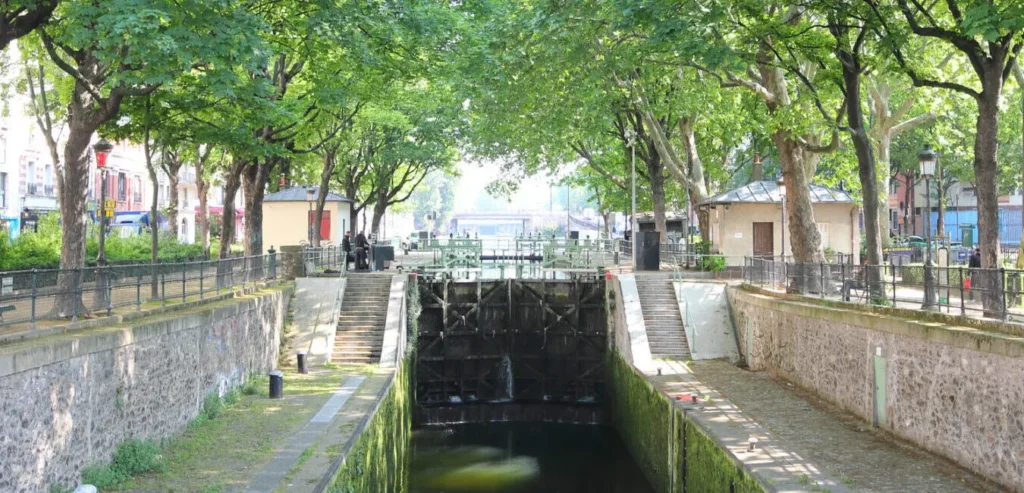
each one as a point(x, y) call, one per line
point(381, 255)
point(276, 385)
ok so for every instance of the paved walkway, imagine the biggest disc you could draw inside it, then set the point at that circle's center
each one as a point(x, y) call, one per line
point(837, 445)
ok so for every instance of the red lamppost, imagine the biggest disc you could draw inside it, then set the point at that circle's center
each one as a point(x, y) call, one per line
point(102, 150)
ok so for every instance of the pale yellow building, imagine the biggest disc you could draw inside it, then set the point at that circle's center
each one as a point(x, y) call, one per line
point(747, 221)
point(288, 217)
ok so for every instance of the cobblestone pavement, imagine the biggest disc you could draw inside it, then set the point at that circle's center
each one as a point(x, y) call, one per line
point(850, 449)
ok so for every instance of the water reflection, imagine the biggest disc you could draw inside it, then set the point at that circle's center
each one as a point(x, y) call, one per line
point(522, 457)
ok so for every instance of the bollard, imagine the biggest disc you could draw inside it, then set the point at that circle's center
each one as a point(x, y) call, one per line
point(276, 385)
point(301, 358)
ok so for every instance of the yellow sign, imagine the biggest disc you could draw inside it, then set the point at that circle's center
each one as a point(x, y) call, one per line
point(109, 204)
point(108, 213)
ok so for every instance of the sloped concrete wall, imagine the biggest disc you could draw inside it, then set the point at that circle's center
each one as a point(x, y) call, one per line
point(67, 402)
point(955, 391)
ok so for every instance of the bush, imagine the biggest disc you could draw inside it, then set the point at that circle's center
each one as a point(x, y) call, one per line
point(913, 274)
point(711, 263)
point(132, 457)
point(212, 406)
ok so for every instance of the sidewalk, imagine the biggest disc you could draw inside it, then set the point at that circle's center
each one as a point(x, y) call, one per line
point(823, 444)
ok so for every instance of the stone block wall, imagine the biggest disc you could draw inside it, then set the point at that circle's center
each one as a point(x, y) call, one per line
point(955, 391)
point(67, 402)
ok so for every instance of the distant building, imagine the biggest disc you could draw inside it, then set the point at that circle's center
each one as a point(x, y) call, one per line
point(288, 217)
point(747, 221)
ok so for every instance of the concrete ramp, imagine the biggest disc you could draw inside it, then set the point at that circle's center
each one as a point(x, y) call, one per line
point(314, 315)
point(705, 311)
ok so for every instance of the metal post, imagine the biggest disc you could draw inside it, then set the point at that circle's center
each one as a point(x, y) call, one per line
point(138, 290)
point(101, 259)
point(109, 291)
point(1002, 283)
point(892, 267)
point(35, 283)
point(963, 309)
point(202, 264)
point(929, 271)
point(821, 279)
point(184, 268)
point(273, 263)
point(632, 220)
point(844, 287)
point(163, 289)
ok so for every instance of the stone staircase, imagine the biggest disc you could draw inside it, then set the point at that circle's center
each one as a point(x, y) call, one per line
point(364, 309)
point(665, 331)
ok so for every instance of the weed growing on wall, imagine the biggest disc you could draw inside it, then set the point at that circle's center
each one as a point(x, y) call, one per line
point(132, 457)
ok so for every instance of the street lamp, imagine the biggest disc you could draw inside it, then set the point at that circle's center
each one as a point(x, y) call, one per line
point(102, 150)
point(631, 142)
point(310, 197)
point(927, 160)
point(782, 198)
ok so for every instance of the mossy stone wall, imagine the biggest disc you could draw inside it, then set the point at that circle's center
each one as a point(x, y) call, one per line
point(674, 451)
point(377, 461)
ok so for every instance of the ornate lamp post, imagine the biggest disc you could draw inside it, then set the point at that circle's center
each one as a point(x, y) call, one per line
point(927, 161)
point(102, 150)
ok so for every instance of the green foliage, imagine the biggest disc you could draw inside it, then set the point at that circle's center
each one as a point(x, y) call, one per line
point(212, 406)
point(132, 457)
point(711, 263)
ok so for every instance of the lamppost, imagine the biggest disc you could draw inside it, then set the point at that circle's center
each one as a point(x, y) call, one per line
point(631, 142)
point(310, 197)
point(927, 161)
point(782, 198)
point(102, 150)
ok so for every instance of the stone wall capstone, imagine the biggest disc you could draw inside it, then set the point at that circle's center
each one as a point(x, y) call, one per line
point(956, 391)
point(67, 403)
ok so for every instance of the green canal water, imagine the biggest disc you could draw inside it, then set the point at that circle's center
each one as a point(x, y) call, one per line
point(520, 458)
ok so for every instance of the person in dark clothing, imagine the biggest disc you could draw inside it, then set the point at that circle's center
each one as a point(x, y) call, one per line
point(362, 249)
point(974, 263)
point(346, 246)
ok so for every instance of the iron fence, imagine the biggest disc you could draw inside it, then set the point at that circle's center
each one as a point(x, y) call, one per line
point(325, 260)
point(958, 290)
point(30, 296)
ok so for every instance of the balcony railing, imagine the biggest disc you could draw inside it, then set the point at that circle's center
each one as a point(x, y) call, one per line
point(50, 190)
point(32, 188)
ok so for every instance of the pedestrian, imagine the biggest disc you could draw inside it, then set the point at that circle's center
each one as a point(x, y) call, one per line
point(973, 266)
point(346, 246)
point(362, 249)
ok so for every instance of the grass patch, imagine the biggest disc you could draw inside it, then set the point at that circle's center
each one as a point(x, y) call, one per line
point(223, 454)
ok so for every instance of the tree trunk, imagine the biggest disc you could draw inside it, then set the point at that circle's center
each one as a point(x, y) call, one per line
point(804, 238)
point(867, 173)
point(986, 175)
point(72, 213)
point(154, 227)
point(254, 180)
point(883, 145)
point(232, 182)
point(172, 199)
point(353, 218)
point(655, 171)
point(321, 199)
point(379, 208)
point(202, 190)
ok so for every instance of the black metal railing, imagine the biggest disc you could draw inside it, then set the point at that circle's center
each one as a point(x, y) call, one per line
point(30, 296)
point(329, 259)
point(958, 290)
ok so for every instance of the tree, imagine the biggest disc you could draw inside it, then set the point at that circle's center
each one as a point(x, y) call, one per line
point(20, 17)
point(117, 49)
point(988, 35)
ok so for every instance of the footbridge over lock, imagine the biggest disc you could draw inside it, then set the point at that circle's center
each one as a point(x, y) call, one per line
point(511, 350)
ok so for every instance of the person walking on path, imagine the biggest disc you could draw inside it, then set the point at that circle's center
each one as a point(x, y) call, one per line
point(973, 263)
point(362, 248)
point(346, 246)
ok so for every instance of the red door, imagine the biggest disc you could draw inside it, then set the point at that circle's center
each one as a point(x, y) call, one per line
point(325, 223)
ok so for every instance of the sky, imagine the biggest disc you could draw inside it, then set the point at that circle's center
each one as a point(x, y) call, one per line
point(533, 193)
